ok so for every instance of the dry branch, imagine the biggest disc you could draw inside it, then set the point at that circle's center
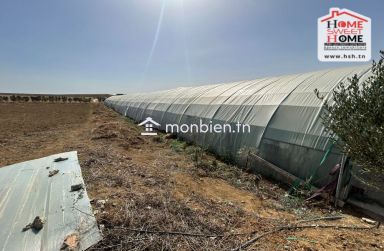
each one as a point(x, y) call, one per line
point(294, 227)
point(321, 218)
point(144, 231)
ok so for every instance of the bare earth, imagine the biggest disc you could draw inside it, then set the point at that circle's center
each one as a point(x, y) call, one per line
point(166, 186)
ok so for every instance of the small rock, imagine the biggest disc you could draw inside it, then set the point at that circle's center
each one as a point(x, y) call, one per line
point(76, 187)
point(101, 203)
point(53, 172)
point(369, 221)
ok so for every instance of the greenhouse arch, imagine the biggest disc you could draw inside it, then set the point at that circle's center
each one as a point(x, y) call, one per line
point(283, 113)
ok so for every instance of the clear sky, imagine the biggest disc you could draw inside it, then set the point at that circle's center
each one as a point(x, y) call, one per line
point(122, 46)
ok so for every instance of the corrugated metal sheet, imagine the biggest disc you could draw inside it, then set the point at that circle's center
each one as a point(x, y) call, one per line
point(26, 191)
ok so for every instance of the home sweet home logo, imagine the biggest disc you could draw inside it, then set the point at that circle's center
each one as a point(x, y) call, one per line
point(343, 36)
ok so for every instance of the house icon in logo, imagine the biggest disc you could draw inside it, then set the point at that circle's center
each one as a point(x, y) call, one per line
point(149, 123)
point(336, 12)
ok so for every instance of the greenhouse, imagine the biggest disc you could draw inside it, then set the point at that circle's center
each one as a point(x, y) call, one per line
point(283, 113)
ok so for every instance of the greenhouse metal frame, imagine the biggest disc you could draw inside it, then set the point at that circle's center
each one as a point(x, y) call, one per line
point(283, 113)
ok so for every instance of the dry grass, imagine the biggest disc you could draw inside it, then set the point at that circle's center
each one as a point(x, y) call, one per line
point(164, 185)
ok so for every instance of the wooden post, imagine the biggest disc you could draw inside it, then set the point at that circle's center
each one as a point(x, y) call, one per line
point(339, 181)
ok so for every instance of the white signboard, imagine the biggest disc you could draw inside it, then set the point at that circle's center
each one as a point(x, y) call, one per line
point(343, 36)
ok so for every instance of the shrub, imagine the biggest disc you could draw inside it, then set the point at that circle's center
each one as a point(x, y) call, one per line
point(355, 118)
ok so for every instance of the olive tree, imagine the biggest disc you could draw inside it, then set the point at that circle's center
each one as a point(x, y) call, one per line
point(355, 117)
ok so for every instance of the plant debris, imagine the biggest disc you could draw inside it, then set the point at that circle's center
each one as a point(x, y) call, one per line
point(60, 159)
point(53, 172)
point(76, 187)
point(71, 242)
point(36, 225)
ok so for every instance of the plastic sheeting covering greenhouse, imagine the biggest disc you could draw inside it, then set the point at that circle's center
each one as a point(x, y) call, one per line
point(283, 113)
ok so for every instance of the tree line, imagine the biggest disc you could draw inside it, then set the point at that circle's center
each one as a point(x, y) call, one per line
point(50, 98)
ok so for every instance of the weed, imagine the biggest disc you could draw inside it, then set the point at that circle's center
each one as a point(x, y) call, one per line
point(178, 146)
